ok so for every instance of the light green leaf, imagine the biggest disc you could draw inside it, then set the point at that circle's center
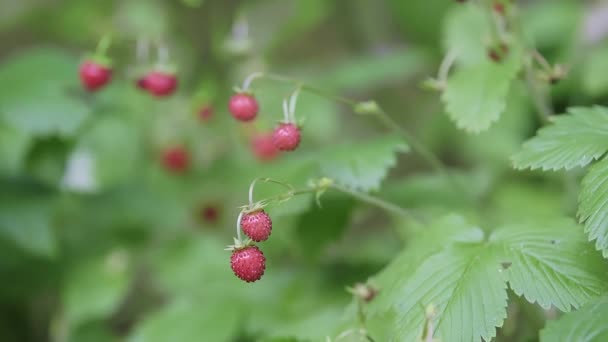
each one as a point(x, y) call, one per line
point(476, 95)
point(585, 325)
point(189, 320)
point(593, 205)
point(25, 221)
point(571, 141)
point(49, 77)
point(363, 165)
point(552, 263)
point(464, 283)
point(14, 145)
point(94, 288)
point(465, 28)
point(594, 72)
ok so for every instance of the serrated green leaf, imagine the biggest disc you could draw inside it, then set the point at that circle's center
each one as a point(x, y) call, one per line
point(363, 165)
point(464, 283)
point(593, 205)
point(571, 141)
point(476, 95)
point(551, 263)
point(26, 221)
point(94, 288)
point(585, 325)
point(57, 108)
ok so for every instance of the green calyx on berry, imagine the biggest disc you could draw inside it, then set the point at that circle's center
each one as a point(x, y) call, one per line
point(240, 244)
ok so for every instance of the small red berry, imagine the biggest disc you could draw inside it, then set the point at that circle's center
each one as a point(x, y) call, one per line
point(286, 137)
point(248, 263)
point(176, 159)
point(159, 83)
point(209, 213)
point(94, 76)
point(244, 107)
point(499, 8)
point(205, 113)
point(263, 147)
point(257, 225)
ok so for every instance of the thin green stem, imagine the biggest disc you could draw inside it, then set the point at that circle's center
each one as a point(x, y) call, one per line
point(238, 226)
point(103, 45)
point(375, 201)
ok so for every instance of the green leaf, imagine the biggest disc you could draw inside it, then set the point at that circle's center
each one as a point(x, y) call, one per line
point(585, 325)
point(94, 288)
point(363, 165)
point(552, 263)
point(25, 221)
point(571, 141)
point(594, 72)
point(593, 205)
point(464, 30)
point(14, 145)
point(466, 286)
point(49, 77)
point(476, 95)
point(189, 320)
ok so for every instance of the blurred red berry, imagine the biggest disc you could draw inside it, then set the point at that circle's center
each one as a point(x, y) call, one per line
point(159, 83)
point(209, 213)
point(286, 137)
point(248, 263)
point(499, 7)
point(263, 148)
point(141, 83)
point(205, 113)
point(94, 75)
point(243, 107)
point(176, 159)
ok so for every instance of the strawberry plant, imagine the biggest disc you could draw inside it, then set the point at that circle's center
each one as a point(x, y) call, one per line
point(304, 170)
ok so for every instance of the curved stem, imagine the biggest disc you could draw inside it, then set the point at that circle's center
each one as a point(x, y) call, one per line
point(267, 180)
point(375, 201)
point(446, 65)
point(247, 82)
point(103, 45)
point(238, 226)
point(286, 116)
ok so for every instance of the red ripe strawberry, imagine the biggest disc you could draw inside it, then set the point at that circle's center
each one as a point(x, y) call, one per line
point(159, 83)
point(248, 263)
point(205, 113)
point(176, 159)
point(286, 137)
point(244, 107)
point(263, 147)
point(257, 225)
point(94, 75)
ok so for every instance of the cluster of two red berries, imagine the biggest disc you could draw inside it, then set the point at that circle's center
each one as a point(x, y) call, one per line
point(248, 262)
point(286, 137)
point(95, 75)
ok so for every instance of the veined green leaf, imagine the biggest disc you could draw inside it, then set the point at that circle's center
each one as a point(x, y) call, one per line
point(571, 141)
point(593, 205)
point(585, 325)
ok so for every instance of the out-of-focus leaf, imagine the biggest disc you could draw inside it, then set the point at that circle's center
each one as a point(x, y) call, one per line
point(26, 221)
point(193, 3)
point(587, 324)
point(552, 263)
point(94, 288)
point(50, 77)
point(363, 165)
point(476, 95)
point(465, 29)
point(594, 72)
point(189, 320)
point(594, 205)
point(414, 18)
point(571, 141)
point(14, 145)
point(549, 24)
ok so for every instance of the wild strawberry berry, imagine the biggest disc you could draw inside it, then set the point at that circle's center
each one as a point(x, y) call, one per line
point(244, 107)
point(263, 148)
point(94, 75)
point(159, 83)
point(209, 213)
point(257, 225)
point(499, 7)
point(248, 263)
point(286, 137)
point(205, 113)
point(176, 159)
